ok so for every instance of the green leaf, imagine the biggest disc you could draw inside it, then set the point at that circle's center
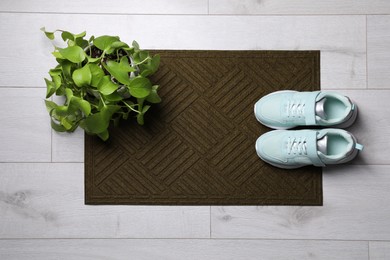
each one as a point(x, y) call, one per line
point(96, 96)
point(97, 74)
point(71, 43)
point(116, 45)
point(140, 119)
point(50, 88)
point(67, 69)
point(125, 115)
point(82, 77)
point(150, 67)
point(104, 135)
point(55, 72)
point(153, 96)
point(67, 36)
point(155, 63)
point(66, 123)
point(69, 95)
point(111, 109)
point(106, 86)
point(56, 80)
point(93, 60)
point(80, 35)
point(145, 72)
point(81, 104)
point(98, 122)
point(57, 54)
point(74, 54)
point(50, 105)
point(57, 127)
point(77, 103)
point(49, 35)
point(125, 65)
point(114, 97)
point(145, 109)
point(140, 116)
point(61, 90)
point(129, 49)
point(61, 111)
point(81, 42)
point(53, 114)
point(70, 36)
point(140, 103)
point(135, 45)
point(56, 77)
point(104, 42)
point(119, 44)
point(140, 87)
point(118, 71)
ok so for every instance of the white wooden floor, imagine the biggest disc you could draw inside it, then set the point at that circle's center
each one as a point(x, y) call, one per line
point(42, 212)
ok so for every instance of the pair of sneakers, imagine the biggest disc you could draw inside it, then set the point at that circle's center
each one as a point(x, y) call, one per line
point(291, 149)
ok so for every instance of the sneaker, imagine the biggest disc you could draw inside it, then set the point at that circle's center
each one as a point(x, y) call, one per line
point(291, 149)
point(288, 109)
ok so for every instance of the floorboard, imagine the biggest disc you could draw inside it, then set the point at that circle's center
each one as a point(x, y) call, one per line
point(106, 7)
point(181, 249)
point(293, 7)
point(24, 126)
point(379, 250)
point(378, 45)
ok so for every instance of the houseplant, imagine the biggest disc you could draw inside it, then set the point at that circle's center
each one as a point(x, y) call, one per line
point(103, 81)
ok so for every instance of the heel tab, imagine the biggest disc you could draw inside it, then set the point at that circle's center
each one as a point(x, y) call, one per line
point(359, 146)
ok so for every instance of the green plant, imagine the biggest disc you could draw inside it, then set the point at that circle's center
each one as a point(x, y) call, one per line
point(102, 79)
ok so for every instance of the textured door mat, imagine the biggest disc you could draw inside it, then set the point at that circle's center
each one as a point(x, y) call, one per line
point(198, 146)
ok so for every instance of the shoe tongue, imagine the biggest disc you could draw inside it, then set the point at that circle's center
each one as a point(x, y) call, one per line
point(322, 144)
point(320, 108)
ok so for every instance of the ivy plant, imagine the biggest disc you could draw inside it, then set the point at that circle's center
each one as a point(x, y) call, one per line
point(103, 81)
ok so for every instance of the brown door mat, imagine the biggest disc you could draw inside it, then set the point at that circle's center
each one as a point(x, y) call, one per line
point(198, 146)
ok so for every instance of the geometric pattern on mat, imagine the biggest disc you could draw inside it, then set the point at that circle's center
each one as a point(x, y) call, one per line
point(197, 146)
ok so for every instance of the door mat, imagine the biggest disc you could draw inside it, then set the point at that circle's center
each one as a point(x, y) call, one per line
point(198, 146)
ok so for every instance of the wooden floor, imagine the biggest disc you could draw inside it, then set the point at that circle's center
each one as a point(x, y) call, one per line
point(42, 211)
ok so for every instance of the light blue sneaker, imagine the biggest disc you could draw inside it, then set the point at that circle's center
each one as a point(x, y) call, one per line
point(287, 109)
point(291, 149)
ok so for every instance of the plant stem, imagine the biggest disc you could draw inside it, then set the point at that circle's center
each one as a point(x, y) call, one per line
point(139, 63)
point(131, 107)
point(101, 98)
point(117, 55)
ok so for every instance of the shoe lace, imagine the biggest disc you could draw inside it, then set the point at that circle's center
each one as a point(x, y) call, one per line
point(296, 146)
point(295, 108)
